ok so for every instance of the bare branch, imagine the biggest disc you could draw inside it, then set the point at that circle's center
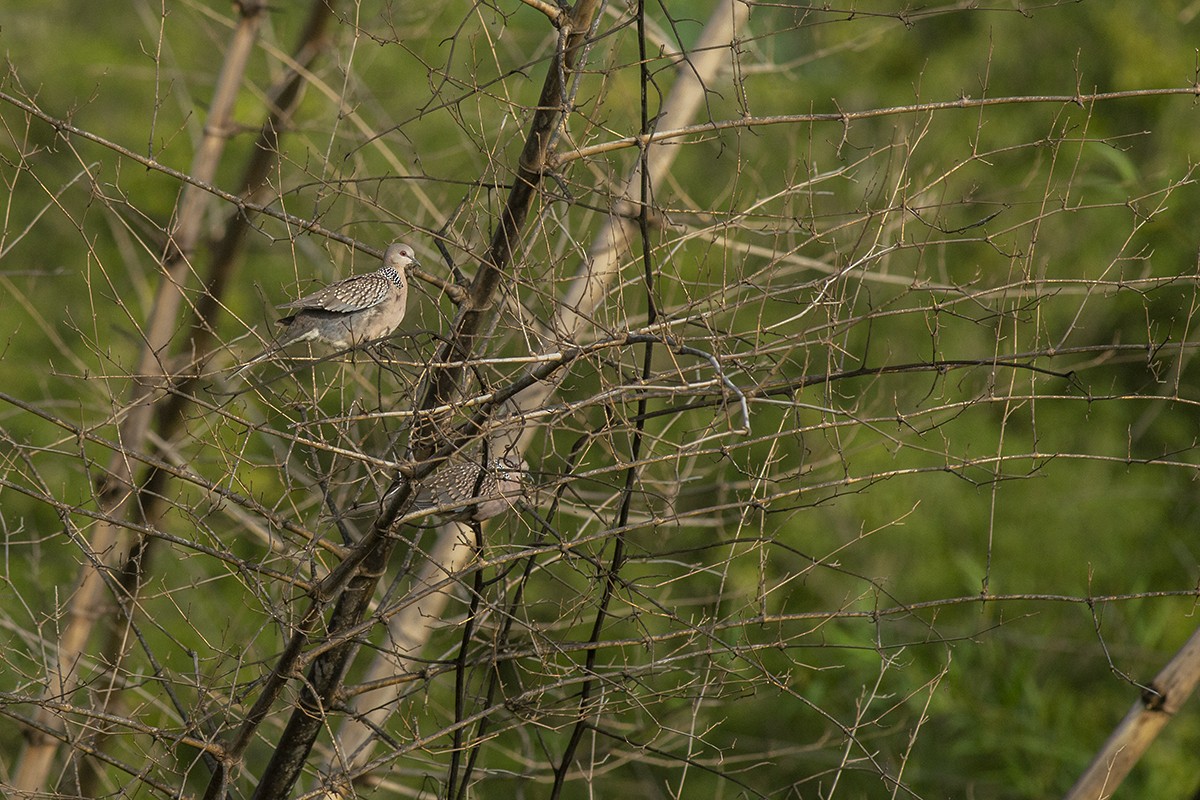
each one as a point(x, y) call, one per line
point(846, 117)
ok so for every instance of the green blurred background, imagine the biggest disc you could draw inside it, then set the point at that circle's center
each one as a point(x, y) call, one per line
point(1057, 236)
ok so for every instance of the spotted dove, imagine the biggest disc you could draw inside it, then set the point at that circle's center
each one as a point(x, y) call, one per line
point(351, 312)
point(465, 491)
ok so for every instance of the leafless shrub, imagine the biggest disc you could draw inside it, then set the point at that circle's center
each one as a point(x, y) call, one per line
point(818, 400)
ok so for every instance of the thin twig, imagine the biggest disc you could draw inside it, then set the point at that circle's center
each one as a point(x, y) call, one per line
point(844, 117)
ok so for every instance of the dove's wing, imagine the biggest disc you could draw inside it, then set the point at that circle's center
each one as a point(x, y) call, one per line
point(356, 293)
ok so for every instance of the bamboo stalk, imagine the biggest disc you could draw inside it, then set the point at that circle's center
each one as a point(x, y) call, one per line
point(1133, 736)
point(202, 327)
point(603, 265)
point(110, 542)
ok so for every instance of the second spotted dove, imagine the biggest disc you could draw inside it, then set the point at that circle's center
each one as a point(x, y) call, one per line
point(466, 491)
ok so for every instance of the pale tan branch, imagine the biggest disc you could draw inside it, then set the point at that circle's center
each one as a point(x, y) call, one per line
point(603, 264)
point(107, 545)
point(552, 12)
point(1153, 710)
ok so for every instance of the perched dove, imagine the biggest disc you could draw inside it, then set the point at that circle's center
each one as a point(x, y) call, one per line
point(465, 491)
point(351, 312)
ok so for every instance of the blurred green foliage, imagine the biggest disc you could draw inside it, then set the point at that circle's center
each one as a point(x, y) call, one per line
point(1017, 229)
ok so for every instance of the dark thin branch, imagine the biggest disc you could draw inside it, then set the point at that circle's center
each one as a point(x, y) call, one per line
point(460, 673)
point(574, 33)
point(635, 449)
